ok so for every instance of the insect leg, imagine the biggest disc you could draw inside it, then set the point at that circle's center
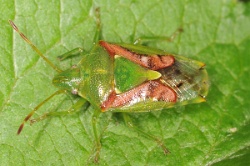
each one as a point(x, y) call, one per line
point(73, 109)
point(79, 50)
point(145, 39)
point(37, 107)
point(97, 138)
point(98, 25)
point(71, 53)
point(130, 124)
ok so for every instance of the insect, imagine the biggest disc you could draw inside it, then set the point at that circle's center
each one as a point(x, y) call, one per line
point(127, 78)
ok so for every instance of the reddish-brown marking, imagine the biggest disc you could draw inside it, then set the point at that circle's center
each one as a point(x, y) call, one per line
point(150, 89)
point(109, 101)
point(153, 62)
point(25, 120)
point(20, 128)
point(28, 117)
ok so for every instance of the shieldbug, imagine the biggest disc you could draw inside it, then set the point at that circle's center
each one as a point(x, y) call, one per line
point(127, 78)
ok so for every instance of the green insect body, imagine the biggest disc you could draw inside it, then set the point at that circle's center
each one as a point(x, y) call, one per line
point(128, 78)
point(111, 80)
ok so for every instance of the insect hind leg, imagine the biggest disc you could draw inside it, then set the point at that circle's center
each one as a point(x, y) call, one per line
point(146, 39)
point(130, 124)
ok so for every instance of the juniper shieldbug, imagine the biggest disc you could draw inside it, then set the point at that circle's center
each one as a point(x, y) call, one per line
point(127, 78)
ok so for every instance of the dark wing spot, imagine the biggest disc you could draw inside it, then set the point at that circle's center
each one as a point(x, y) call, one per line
point(179, 84)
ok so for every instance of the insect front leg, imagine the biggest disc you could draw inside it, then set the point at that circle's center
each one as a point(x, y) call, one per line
point(37, 107)
point(130, 124)
point(81, 103)
point(98, 25)
point(71, 53)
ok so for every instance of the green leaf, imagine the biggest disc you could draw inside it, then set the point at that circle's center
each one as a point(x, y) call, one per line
point(213, 133)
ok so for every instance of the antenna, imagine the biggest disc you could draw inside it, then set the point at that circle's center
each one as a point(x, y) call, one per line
point(34, 47)
point(36, 108)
